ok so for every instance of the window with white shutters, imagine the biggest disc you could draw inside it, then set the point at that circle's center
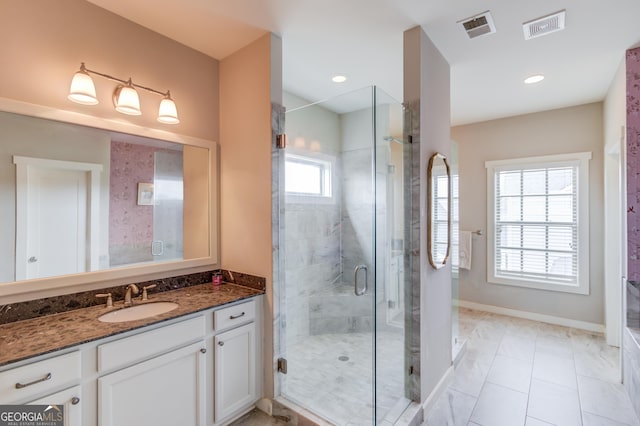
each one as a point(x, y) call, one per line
point(538, 222)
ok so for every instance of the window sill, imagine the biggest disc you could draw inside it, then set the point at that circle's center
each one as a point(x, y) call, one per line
point(541, 285)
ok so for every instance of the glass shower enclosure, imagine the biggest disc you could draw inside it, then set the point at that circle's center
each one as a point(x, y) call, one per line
point(343, 247)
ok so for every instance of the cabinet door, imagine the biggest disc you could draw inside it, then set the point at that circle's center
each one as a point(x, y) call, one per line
point(164, 391)
point(235, 383)
point(70, 399)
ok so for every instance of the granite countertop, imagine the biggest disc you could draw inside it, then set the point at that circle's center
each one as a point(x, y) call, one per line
point(29, 338)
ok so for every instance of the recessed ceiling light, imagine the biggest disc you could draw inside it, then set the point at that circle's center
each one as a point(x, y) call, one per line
point(534, 79)
point(339, 79)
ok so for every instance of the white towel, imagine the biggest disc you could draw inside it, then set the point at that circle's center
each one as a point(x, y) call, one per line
point(464, 249)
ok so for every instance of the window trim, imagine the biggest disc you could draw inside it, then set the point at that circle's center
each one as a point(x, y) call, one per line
point(581, 160)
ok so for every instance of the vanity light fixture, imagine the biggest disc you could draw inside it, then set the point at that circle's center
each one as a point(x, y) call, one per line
point(126, 99)
point(125, 96)
point(82, 89)
point(534, 79)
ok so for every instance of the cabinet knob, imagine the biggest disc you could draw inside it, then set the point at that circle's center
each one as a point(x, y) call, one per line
point(203, 350)
point(75, 400)
point(220, 343)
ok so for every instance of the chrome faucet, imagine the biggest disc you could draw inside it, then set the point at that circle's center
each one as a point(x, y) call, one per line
point(131, 288)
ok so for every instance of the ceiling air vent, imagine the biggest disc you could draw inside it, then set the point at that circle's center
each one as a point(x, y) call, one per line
point(478, 25)
point(543, 26)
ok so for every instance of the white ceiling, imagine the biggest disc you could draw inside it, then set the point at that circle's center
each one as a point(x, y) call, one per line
point(362, 39)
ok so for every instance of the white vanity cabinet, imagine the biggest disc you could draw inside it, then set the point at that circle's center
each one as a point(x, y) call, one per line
point(160, 377)
point(198, 370)
point(29, 381)
point(167, 390)
point(70, 399)
point(40, 383)
point(166, 376)
point(235, 349)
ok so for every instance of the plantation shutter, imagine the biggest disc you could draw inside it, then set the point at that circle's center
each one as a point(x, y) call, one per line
point(536, 223)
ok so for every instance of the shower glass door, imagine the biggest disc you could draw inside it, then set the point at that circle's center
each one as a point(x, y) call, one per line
point(342, 286)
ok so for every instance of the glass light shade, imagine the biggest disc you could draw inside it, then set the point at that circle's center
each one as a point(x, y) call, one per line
point(126, 100)
point(82, 89)
point(167, 113)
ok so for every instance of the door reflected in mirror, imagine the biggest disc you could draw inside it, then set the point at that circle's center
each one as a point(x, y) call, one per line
point(78, 199)
point(439, 210)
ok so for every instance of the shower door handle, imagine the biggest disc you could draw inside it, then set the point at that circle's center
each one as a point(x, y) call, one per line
point(356, 289)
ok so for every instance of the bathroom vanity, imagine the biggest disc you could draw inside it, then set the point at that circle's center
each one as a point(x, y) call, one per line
point(195, 365)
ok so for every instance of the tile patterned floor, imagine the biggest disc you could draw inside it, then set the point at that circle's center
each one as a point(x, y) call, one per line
point(331, 375)
point(517, 372)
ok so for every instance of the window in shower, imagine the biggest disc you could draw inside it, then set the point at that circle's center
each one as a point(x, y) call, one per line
point(308, 176)
point(539, 222)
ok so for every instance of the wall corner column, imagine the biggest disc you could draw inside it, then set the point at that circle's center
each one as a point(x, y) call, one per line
point(427, 104)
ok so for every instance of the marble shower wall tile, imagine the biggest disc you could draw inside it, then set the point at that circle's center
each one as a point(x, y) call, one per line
point(277, 229)
point(412, 260)
point(357, 220)
point(312, 251)
point(633, 304)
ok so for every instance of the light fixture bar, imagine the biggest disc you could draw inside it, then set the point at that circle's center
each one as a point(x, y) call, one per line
point(125, 82)
point(125, 97)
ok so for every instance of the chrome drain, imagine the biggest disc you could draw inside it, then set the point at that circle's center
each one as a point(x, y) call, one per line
point(343, 358)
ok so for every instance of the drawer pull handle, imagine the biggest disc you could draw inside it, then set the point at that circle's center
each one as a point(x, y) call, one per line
point(44, 379)
point(75, 400)
point(203, 350)
point(220, 343)
point(236, 316)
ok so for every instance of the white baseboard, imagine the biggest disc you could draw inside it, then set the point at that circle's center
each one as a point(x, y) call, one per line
point(265, 405)
point(550, 319)
point(440, 388)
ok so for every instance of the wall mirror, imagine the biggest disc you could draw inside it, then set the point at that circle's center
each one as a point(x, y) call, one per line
point(439, 210)
point(82, 205)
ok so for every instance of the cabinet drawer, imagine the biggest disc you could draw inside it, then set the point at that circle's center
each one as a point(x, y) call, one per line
point(234, 315)
point(145, 345)
point(47, 375)
point(71, 399)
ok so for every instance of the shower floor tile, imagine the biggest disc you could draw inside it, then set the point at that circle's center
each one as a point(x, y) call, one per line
point(331, 375)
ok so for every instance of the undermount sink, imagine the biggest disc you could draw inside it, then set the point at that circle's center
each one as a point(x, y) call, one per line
point(137, 312)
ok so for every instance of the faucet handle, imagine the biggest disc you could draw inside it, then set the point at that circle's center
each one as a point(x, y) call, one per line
point(144, 290)
point(109, 303)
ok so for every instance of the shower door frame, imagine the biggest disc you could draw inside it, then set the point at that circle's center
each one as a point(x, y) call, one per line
point(279, 332)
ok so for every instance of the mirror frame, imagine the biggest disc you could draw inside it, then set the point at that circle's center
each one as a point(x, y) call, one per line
point(20, 291)
point(430, 212)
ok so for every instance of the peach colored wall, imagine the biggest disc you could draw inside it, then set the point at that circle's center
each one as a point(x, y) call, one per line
point(245, 151)
point(44, 42)
point(248, 84)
